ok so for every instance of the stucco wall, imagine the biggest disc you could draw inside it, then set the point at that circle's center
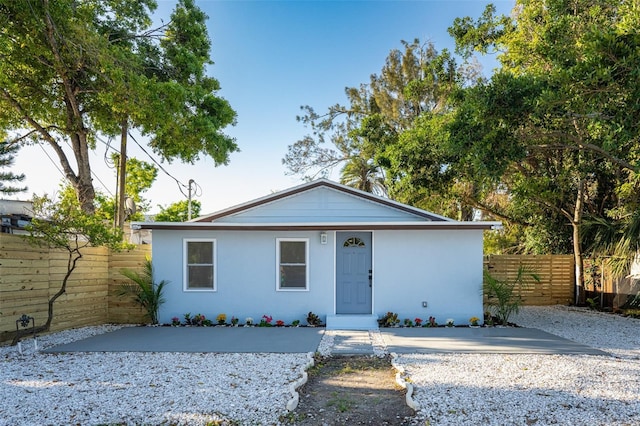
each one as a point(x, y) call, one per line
point(443, 268)
point(245, 277)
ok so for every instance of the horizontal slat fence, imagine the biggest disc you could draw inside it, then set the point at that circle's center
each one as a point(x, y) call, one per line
point(123, 310)
point(30, 275)
point(556, 273)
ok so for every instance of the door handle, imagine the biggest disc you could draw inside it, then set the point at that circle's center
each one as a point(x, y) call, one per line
point(370, 277)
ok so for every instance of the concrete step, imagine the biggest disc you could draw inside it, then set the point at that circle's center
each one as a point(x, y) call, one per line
point(352, 322)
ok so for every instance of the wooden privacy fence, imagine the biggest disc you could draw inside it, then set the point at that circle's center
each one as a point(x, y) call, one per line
point(556, 273)
point(30, 275)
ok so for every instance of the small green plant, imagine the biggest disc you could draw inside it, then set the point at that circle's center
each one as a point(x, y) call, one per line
point(313, 319)
point(175, 321)
point(593, 303)
point(408, 322)
point(502, 300)
point(390, 319)
point(431, 323)
point(145, 292)
point(234, 321)
point(342, 404)
point(295, 323)
point(450, 322)
point(474, 321)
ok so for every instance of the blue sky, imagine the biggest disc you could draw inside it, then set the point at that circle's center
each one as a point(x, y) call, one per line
point(271, 57)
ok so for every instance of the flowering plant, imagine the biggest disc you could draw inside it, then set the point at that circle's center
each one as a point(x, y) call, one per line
point(279, 323)
point(418, 322)
point(248, 321)
point(200, 320)
point(449, 322)
point(234, 321)
point(221, 318)
point(432, 322)
point(266, 321)
point(408, 322)
point(175, 321)
point(474, 321)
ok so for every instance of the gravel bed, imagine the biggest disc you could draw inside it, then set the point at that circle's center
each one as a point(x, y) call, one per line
point(142, 388)
point(461, 389)
point(253, 389)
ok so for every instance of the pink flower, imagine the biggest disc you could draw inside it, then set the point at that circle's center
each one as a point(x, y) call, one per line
point(267, 318)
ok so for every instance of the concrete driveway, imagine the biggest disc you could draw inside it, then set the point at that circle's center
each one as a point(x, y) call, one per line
point(307, 339)
point(200, 339)
point(514, 340)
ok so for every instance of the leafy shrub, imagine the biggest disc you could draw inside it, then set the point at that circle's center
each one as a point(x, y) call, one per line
point(146, 293)
point(502, 300)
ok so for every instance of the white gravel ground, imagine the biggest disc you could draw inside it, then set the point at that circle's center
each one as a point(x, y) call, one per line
point(251, 389)
point(470, 389)
point(141, 388)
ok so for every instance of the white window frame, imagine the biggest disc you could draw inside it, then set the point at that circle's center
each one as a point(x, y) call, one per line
point(306, 263)
point(185, 264)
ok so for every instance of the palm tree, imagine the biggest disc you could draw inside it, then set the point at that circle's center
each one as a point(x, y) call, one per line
point(364, 175)
point(618, 240)
point(146, 293)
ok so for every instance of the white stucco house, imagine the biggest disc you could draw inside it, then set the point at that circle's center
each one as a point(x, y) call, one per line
point(346, 255)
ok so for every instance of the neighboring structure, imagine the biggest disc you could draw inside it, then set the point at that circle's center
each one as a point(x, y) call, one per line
point(15, 216)
point(346, 255)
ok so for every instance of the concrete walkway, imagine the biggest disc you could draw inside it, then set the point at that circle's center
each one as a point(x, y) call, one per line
point(345, 342)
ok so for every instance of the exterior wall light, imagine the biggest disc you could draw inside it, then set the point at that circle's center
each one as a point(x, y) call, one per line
point(323, 237)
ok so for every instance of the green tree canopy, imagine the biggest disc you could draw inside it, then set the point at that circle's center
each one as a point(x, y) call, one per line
point(558, 125)
point(364, 137)
point(178, 211)
point(71, 70)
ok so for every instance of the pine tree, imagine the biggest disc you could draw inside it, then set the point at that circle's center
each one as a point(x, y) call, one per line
point(6, 178)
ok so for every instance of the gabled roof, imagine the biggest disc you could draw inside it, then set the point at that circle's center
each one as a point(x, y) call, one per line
point(318, 184)
point(240, 217)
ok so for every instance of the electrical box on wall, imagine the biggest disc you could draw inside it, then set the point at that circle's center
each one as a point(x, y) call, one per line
point(424, 304)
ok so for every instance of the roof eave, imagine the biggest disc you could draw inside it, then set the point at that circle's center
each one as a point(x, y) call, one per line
point(320, 226)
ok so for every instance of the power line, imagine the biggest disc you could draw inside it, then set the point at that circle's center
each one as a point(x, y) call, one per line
point(180, 184)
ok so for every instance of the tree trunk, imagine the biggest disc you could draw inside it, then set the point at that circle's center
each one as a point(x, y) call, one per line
point(577, 246)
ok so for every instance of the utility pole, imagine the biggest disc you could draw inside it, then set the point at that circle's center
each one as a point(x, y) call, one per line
point(122, 175)
point(191, 181)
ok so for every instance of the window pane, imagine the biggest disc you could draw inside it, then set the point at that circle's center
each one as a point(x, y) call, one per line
point(293, 276)
point(200, 252)
point(200, 276)
point(292, 252)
